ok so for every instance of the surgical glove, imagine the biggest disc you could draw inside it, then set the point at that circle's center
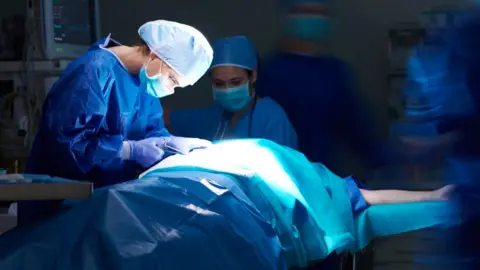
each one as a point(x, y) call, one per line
point(182, 145)
point(146, 152)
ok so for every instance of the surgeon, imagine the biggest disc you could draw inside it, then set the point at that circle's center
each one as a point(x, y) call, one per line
point(102, 120)
point(238, 112)
point(317, 90)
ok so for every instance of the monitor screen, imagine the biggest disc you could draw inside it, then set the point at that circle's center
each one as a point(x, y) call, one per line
point(74, 21)
point(70, 27)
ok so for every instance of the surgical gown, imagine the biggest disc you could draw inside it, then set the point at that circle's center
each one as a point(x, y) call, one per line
point(269, 121)
point(319, 97)
point(94, 106)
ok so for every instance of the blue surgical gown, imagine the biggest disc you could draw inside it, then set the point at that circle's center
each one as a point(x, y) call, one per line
point(320, 98)
point(95, 105)
point(269, 121)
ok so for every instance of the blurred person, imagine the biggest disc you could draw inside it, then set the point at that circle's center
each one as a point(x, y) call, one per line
point(446, 72)
point(318, 90)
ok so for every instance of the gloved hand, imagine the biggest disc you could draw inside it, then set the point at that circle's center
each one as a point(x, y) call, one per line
point(145, 152)
point(149, 151)
point(184, 145)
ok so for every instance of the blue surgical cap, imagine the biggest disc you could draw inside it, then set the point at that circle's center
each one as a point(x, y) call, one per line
point(234, 51)
point(182, 47)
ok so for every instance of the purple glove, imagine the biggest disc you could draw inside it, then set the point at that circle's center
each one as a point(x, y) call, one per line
point(182, 145)
point(147, 152)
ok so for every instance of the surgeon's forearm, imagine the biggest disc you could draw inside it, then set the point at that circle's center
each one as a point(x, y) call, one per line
point(90, 152)
point(374, 197)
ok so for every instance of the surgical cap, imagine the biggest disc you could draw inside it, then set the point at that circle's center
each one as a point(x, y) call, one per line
point(234, 51)
point(182, 47)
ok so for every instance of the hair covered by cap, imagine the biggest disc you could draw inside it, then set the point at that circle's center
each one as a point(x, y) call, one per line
point(185, 49)
point(234, 51)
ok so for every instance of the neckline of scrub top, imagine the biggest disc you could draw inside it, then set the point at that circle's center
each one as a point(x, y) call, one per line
point(103, 44)
point(247, 116)
point(249, 113)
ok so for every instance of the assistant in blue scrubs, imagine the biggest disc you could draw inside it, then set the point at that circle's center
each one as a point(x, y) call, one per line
point(102, 120)
point(238, 112)
point(317, 90)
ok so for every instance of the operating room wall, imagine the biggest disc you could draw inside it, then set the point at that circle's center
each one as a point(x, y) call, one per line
point(215, 18)
point(360, 37)
point(14, 7)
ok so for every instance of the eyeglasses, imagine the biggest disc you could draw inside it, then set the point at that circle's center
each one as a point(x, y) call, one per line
point(157, 67)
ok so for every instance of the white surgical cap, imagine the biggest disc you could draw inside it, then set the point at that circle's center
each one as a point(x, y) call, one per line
point(182, 47)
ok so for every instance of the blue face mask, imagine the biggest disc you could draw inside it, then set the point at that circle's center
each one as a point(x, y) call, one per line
point(154, 86)
point(310, 28)
point(233, 99)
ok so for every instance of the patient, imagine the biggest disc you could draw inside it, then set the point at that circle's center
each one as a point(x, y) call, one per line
point(360, 196)
point(313, 211)
point(197, 211)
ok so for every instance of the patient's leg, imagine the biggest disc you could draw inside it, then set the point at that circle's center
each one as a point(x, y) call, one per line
point(402, 196)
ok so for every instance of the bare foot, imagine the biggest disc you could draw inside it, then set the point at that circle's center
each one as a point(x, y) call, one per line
point(443, 194)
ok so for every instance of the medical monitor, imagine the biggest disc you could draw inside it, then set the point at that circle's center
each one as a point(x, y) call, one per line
point(69, 27)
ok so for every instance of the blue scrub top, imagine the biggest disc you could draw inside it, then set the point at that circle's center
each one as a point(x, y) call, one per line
point(269, 121)
point(95, 105)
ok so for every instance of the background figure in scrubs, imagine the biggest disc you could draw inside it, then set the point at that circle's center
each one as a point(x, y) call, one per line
point(316, 90)
point(447, 78)
point(102, 120)
point(238, 112)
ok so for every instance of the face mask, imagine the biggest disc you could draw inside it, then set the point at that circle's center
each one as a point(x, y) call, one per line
point(154, 86)
point(233, 99)
point(310, 28)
